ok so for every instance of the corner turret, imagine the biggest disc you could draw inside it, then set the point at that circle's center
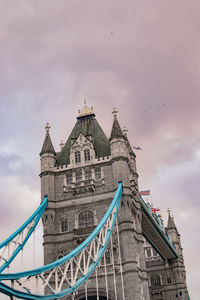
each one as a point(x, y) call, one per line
point(48, 159)
point(117, 138)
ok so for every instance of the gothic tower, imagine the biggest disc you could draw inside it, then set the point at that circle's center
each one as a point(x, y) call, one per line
point(80, 182)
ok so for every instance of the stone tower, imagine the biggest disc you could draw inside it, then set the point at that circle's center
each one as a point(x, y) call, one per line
point(80, 182)
point(167, 279)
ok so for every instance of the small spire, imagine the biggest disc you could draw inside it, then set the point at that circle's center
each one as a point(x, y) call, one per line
point(47, 127)
point(169, 212)
point(125, 131)
point(116, 131)
point(47, 145)
point(61, 144)
point(115, 112)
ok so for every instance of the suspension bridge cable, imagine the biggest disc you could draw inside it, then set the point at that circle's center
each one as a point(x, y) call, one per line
point(113, 264)
point(106, 276)
point(97, 286)
point(120, 260)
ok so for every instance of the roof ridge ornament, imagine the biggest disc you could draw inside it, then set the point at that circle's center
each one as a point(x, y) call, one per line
point(86, 111)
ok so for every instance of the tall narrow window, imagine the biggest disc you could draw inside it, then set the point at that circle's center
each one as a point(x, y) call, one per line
point(155, 280)
point(148, 252)
point(97, 173)
point(88, 174)
point(69, 178)
point(78, 176)
point(169, 280)
point(87, 154)
point(64, 225)
point(77, 157)
point(86, 218)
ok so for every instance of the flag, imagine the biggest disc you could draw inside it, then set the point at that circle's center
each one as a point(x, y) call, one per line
point(145, 193)
point(155, 209)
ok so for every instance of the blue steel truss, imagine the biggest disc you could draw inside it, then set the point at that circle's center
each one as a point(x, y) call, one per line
point(86, 257)
point(30, 226)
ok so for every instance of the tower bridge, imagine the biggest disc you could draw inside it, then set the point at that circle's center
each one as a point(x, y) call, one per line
point(101, 239)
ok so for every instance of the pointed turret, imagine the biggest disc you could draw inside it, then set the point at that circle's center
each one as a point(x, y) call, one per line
point(171, 224)
point(116, 131)
point(47, 145)
point(47, 158)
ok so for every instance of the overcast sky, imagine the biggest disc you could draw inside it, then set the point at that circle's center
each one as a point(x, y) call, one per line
point(140, 56)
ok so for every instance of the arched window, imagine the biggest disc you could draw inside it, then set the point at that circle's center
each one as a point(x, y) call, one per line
point(97, 173)
point(88, 174)
point(77, 157)
point(87, 154)
point(86, 218)
point(155, 280)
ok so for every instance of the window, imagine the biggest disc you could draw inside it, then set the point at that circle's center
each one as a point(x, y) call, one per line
point(77, 157)
point(148, 252)
point(86, 218)
point(78, 176)
point(155, 253)
point(97, 173)
point(88, 174)
point(87, 154)
point(169, 280)
point(69, 178)
point(155, 280)
point(64, 225)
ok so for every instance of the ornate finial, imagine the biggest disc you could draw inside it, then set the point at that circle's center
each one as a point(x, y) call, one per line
point(115, 112)
point(125, 131)
point(169, 212)
point(47, 128)
point(62, 144)
point(86, 111)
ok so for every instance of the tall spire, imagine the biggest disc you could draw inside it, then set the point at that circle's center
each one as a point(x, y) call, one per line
point(116, 131)
point(47, 145)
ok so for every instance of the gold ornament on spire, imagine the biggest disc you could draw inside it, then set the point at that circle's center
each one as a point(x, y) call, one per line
point(86, 111)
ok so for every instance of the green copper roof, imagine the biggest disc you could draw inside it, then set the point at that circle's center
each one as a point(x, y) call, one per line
point(88, 126)
point(47, 145)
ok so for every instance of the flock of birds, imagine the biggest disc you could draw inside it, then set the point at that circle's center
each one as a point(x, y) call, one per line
point(143, 113)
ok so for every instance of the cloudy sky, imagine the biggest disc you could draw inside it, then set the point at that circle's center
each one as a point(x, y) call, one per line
point(140, 56)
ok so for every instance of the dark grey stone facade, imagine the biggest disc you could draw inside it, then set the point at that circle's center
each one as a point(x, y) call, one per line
point(80, 186)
